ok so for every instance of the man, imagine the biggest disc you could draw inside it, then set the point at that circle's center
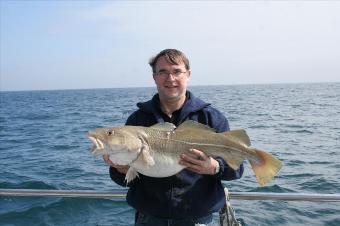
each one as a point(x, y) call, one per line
point(191, 196)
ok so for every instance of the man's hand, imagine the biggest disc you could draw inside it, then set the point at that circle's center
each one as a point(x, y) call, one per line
point(198, 162)
point(120, 168)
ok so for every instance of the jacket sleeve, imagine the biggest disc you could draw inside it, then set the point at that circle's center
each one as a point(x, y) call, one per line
point(117, 177)
point(220, 123)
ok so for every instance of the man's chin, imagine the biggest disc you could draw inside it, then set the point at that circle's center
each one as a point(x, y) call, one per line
point(171, 93)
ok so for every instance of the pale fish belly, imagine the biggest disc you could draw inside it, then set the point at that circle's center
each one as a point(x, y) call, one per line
point(165, 166)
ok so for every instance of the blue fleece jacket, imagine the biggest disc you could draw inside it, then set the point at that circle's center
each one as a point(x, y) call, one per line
point(186, 194)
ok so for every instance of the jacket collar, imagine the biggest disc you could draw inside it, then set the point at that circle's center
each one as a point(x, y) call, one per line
point(192, 104)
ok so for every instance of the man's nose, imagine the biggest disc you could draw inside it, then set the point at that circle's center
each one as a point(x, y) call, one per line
point(171, 77)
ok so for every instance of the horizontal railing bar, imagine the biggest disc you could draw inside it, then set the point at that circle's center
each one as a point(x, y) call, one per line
point(64, 193)
point(121, 193)
point(312, 197)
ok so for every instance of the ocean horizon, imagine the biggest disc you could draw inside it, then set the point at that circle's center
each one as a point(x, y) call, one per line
point(189, 86)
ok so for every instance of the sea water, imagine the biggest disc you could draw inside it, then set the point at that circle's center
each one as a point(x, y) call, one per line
point(43, 146)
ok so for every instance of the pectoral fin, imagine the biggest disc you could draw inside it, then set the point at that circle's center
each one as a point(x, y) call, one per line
point(131, 174)
point(146, 156)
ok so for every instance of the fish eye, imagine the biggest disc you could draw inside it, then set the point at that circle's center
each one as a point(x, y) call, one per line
point(110, 132)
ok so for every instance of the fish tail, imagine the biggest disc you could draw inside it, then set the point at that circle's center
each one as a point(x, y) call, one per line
point(266, 167)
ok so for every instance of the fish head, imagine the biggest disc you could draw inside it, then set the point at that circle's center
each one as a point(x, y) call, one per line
point(122, 145)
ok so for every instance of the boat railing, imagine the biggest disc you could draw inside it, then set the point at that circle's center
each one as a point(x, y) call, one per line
point(121, 193)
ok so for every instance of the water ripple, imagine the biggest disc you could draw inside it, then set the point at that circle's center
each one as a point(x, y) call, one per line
point(43, 146)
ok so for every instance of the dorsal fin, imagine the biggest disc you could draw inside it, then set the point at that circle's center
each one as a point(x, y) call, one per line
point(238, 135)
point(164, 126)
point(190, 124)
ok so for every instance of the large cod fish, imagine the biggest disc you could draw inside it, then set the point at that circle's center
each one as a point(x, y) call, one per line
point(155, 151)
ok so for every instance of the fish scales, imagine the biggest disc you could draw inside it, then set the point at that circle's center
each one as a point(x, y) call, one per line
point(215, 144)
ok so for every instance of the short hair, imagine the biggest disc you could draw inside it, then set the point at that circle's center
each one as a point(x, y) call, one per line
point(172, 56)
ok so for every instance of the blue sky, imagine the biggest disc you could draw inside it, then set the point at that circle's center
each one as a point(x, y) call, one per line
point(105, 44)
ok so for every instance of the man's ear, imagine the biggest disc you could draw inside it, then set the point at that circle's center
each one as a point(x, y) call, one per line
point(189, 74)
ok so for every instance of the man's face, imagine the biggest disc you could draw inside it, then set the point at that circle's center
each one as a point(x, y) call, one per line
point(171, 79)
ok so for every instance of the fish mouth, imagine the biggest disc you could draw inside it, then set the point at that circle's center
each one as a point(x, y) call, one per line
point(97, 145)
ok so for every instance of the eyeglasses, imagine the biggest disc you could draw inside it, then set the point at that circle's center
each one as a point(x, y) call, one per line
point(175, 73)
